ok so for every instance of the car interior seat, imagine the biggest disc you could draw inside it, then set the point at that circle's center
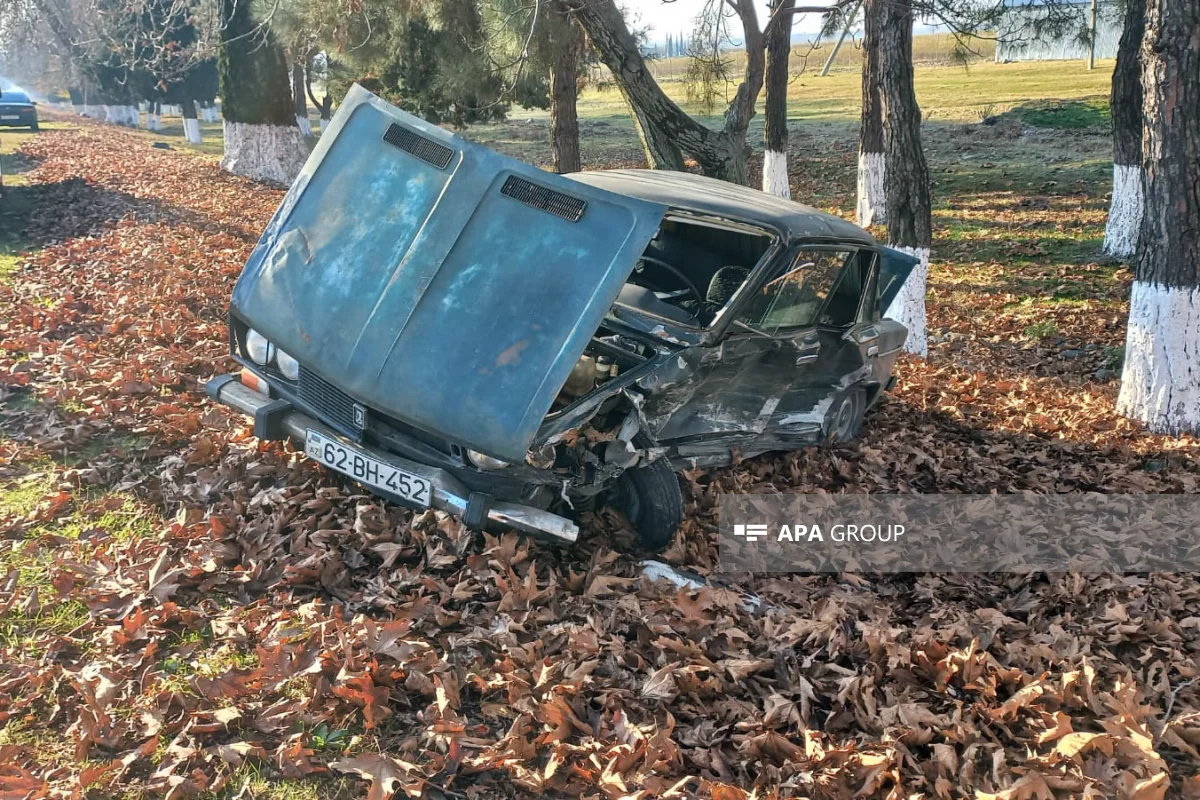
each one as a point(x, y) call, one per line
point(724, 284)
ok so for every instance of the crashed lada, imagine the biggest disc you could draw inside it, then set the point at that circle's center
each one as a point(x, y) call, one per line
point(459, 330)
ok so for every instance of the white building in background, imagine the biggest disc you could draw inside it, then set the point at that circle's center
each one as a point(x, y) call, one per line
point(1022, 34)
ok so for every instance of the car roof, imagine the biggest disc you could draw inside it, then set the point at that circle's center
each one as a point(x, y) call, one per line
point(702, 195)
point(13, 94)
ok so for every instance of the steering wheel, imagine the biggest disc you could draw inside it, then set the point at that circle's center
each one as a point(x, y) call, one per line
point(689, 286)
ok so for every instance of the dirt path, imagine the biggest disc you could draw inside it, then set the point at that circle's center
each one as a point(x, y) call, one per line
point(186, 610)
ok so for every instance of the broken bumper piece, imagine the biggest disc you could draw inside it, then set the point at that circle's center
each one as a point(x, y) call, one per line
point(278, 419)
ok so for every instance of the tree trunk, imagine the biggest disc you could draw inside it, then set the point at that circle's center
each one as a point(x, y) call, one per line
point(1125, 207)
point(775, 131)
point(1160, 384)
point(872, 206)
point(191, 125)
point(906, 175)
point(664, 128)
point(298, 98)
point(261, 138)
point(325, 105)
point(567, 44)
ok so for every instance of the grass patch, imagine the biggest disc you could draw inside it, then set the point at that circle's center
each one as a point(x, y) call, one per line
point(1065, 114)
point(251, 780)
point(19, 498)
point(38, 739)
point(1042, 331)
point(20, 631)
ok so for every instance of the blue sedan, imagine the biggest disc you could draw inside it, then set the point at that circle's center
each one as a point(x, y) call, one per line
point(17, 110)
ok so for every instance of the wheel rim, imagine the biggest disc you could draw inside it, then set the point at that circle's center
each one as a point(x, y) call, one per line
point(844, 420)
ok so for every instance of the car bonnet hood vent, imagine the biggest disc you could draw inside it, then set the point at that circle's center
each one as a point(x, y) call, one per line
point(437, 281)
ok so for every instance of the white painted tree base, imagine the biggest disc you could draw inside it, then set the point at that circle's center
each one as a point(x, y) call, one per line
point(871, 203)
point(1124, 211)
point(324, 124)
point(775, 174)
point(908, 308)
point(122, 115)
point(264, 152)
point(1160, 384)
point(305, 126)
point(191, 131)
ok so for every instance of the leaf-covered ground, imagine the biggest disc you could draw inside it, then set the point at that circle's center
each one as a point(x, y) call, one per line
point(187, 612)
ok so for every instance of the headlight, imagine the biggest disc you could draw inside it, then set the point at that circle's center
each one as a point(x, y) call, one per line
point(289, 366)
point(485, 462)
point(258, 348)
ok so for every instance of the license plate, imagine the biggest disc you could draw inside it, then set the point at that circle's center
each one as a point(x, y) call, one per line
point(371, 471)
point(10, 116)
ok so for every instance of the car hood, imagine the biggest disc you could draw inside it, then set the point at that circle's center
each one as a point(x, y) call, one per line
point(437, 281)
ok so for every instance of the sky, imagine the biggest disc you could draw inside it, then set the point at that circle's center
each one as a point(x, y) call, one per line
point(677, 16)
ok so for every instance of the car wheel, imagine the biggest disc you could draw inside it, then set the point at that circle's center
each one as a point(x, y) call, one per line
point(653, 502)
point(844, 419)
point(34, 127)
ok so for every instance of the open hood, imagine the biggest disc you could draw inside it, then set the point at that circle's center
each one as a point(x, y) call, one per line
point(437, 281)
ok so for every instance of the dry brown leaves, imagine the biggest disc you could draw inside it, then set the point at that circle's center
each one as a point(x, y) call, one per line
point(284, 619)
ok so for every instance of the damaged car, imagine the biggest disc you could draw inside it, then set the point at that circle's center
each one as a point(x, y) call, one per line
point(458, 330)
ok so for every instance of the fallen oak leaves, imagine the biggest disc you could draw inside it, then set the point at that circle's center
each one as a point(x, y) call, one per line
point(387, 775)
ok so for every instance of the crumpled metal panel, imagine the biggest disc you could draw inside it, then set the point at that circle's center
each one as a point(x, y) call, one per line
point(427, 293)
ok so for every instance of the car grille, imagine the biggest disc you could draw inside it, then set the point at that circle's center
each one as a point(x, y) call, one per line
point(336, 408)
point(329, 402)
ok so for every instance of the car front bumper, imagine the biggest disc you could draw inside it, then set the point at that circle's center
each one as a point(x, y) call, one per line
point(278, 419)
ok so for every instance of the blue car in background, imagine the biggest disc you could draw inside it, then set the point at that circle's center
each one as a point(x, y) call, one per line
point(459, 330)
point(17, 110)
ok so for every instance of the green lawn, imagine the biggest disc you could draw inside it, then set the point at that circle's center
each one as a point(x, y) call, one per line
point(948, 93)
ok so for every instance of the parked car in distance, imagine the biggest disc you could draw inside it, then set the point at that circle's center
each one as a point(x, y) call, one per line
point(17, 110)
point(457, 329)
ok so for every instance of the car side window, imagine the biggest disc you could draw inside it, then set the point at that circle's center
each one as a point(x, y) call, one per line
point(845, 300)
point(795, 297)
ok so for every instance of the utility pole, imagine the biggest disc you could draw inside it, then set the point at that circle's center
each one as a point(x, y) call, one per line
point(1092, 38)
point(850, 21)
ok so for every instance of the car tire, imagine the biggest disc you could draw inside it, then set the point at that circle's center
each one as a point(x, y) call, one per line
point(651, 498)
point(34, 127)
point(844, 419)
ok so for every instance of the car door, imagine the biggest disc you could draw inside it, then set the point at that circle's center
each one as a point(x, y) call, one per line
point(774, 355)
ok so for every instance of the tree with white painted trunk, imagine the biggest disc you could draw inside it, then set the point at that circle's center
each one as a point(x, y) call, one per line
point(1160, 383)
point(261, 138)
point(1125, 206)
point(872, 205)
point(906, 175)
point(775, 178)
point(298, 95)
point(191, 123)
